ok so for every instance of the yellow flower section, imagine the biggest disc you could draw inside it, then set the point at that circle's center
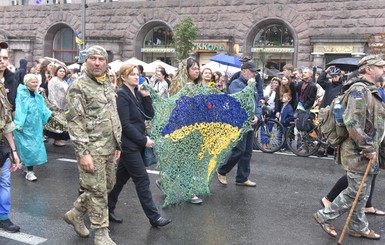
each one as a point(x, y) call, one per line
point(216, 137)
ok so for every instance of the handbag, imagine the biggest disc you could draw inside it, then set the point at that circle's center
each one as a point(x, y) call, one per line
point(149, 157)
point(5, 152)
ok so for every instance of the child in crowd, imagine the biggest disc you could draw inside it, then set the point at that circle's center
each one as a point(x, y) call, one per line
point(286, 114)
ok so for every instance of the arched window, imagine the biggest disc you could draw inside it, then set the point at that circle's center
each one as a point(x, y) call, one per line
point(156, 45)
point(64, 47)
point(273, 47)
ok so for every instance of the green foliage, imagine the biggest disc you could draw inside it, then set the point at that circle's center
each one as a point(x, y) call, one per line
point(184, 34)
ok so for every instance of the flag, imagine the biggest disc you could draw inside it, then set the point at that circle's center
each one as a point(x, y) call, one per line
point(194, 131)
point(77, 39)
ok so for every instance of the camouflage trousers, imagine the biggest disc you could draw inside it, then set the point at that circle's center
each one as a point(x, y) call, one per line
point(344, 202)
point(97, 185)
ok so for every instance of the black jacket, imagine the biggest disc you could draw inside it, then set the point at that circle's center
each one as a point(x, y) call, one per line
point(332, 89)
point(310, 94)
point(11, 85)
point(132, 119)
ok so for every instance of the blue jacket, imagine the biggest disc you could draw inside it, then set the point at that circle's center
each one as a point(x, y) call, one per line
point(239, 84)
point(287, 115)
point(30, 116)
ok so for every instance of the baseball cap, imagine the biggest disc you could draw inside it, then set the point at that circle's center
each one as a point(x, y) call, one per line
point(3, 45)
point(245, 59)
point(250, 66)
point(373, 60)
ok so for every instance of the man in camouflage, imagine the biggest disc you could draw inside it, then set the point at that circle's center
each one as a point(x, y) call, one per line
point(95, 131)
point(6, 128)
point(364, 118)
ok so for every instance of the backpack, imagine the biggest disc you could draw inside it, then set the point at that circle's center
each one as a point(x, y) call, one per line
point(335, 133)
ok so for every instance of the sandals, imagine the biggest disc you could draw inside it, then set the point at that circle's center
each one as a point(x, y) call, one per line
point(376, 212)
point(371, 235)
point(328, 228)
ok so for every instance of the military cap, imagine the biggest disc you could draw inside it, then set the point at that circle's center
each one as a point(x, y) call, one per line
point(371, 60)
point(96, 50)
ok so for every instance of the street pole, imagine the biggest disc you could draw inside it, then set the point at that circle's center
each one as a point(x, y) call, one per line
point(84, 23)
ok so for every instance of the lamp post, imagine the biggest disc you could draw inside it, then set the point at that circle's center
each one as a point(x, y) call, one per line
point(83, 46)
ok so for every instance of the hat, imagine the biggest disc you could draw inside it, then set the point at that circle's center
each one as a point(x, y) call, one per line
point(250, 66)
point(245, 59)
point(96, 50)
point(371, 60)
point(3, 45)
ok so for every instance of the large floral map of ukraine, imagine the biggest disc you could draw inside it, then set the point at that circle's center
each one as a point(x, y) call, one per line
point(194, 131)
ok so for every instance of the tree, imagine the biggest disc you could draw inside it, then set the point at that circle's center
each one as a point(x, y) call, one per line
point(183, 35)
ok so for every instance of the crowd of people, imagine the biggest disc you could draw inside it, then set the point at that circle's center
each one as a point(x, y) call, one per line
point(105, 128)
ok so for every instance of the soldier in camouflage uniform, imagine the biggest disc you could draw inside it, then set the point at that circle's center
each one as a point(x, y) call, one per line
point(11, 164)
point(95, 131)
point(364, 118)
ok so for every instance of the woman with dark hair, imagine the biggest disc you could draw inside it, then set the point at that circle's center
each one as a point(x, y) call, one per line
point(134, 106)
point(57, 88)
point(188, 73)
point(46, 70)
point(162, 84)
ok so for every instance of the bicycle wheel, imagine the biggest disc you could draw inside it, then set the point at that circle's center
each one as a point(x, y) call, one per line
point(302, 143)
point(269, 136)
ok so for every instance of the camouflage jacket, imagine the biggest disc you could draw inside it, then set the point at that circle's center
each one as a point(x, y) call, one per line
point(364, 117)
point(93, 121)
point(6, 124)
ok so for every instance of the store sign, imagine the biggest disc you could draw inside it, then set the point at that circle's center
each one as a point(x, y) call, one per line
point(272, 50)
point(376, 44)
point(337, 49)
point(209, 46)
point(158, 50)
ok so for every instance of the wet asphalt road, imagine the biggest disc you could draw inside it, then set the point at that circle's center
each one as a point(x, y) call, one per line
point(278, 211)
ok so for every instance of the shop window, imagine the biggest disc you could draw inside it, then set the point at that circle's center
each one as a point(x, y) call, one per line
point(64, 46)
point(158, 37)
point(273, 47)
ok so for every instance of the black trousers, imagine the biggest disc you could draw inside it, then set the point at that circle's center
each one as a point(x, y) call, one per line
point(131, 166)
point(342, 184)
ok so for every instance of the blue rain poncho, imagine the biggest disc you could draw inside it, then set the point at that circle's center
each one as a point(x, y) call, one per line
point(31, 115)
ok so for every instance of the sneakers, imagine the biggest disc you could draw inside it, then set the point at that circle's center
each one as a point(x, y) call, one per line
point(59, 143)
point(7, 225)
point(247, 183)
point(196, 200)
point(102, 237)
point(30, 176)
point(75, 218)
point(222, 179)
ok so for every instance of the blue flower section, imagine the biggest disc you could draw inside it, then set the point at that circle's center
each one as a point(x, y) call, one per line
point(205, 108)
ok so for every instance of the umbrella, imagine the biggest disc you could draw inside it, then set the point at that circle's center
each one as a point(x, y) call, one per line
point(224, 69)
point(228, 60)
point(150, 68)
point(135, 61)
point(115, 65)
point(54, 60)
point(74, 66)
point(345, 64)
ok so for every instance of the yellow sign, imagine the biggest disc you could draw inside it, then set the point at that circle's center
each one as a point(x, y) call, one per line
point(337, 49)
point(158, 50)
point(272, 50)
point(209, 46)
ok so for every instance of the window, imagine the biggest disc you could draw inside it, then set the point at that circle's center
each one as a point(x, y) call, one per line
point(64, 46)
point(273, 47)
point(158, 37)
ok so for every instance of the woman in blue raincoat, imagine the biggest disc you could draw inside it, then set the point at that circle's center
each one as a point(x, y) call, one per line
point(30, 117)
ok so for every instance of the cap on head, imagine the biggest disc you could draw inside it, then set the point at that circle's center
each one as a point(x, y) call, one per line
point(3, 45)
point(96, 50)
point(371, 60)
point(245, 59)
point(250, 66)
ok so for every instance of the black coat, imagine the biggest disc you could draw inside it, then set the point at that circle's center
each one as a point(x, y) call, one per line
point(132, 119)
point(310, 94)
point(332, 89)
point(11, 85)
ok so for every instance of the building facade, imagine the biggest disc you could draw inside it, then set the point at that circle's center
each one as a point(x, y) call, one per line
point(273, 32)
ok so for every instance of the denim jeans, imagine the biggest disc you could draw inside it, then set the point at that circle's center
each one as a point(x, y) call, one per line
point(5, 190)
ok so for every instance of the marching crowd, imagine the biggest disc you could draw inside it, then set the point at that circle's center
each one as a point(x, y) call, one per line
point(104, 127)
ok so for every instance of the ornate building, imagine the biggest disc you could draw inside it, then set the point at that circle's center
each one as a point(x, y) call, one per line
point(273, 32)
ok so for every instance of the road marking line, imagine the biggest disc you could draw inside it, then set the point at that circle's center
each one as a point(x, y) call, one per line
point(67, 160)
point(73, 160)
point(23, 237)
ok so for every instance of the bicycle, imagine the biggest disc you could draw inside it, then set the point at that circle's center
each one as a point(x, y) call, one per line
point(269, 134)
point(305, 143)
